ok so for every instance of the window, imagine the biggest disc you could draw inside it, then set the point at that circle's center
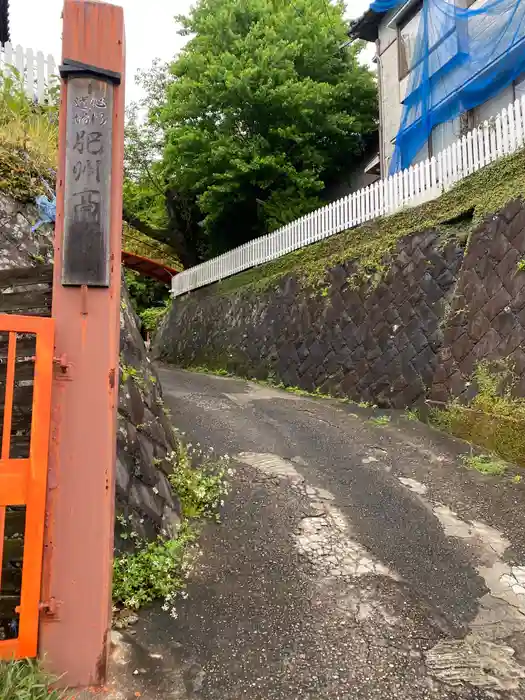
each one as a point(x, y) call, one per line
point(444, 135)
point(519, 87)
point(407, 39)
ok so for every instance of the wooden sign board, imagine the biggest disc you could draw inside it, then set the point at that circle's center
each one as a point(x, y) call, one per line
point(86, 248)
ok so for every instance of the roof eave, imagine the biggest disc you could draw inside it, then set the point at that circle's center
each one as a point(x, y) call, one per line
point(4, 21)
point(366, 27)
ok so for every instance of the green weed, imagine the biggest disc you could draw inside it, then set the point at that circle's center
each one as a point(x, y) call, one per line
point(485, 464)
point(25, 680)
point(201, 489)
point(412, 414)
point(380, 420)
point(128, 371)
point(159, 569)
point(493, 419)
point(153, 570)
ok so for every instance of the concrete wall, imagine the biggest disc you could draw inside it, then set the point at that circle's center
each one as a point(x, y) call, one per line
point(417, 334)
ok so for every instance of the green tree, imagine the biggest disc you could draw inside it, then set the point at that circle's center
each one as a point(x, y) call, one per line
point(265, 107)
point(150, 206)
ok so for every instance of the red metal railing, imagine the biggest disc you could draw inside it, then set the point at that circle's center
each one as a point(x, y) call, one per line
point(23, 472)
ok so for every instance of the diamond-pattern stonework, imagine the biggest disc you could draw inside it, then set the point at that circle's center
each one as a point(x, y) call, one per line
point(419, 333)
point(487, 313)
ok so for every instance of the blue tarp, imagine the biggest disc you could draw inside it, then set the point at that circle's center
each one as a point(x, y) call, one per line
point(47, 210)
point(462, 58)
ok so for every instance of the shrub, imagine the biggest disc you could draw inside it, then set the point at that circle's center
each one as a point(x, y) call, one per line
point(494, 418)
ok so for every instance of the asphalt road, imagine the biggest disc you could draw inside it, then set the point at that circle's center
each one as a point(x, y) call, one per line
point(357, 559)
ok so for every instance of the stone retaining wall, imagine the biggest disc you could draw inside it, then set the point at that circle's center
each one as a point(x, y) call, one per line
point(145, 434)
point(417, 334)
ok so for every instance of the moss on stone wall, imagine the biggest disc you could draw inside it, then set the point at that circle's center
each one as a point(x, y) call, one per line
point(494, 418)
point(22, 176)
point(454, 214)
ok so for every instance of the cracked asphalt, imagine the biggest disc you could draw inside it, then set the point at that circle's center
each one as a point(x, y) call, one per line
point(354, 561)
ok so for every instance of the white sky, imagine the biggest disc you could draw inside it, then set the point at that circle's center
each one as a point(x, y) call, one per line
point(151, 31)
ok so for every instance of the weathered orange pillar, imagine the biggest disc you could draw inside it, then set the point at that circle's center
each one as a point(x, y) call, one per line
point(76, 587)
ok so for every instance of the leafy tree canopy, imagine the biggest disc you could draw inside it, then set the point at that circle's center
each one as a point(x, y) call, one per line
point(262, 109)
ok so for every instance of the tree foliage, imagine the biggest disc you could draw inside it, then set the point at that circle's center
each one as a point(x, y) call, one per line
point(262, 109)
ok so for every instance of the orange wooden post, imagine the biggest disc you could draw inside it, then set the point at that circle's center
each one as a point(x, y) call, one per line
point(78, 555)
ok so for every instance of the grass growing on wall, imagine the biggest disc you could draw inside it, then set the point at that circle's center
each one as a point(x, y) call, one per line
point(28, 140)
point(494, 418)
point(479, 195)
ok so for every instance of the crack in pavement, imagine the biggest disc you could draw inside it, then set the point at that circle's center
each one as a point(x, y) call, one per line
point(482, 658)
point(324, 537)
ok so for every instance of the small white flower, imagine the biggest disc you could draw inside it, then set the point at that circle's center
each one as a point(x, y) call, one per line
point(165, 607)
point(174, 614)
point(222, 503)
point(230, 472)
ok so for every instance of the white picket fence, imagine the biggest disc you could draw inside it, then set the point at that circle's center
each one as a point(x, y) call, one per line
point(420, 183)
point(36, 70)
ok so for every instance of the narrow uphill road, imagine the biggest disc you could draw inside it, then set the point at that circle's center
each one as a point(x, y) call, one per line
point(356, 560)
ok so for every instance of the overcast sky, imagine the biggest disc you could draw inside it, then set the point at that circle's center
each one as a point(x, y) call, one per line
point(150, 29)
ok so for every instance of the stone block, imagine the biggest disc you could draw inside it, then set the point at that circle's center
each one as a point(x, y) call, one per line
point(136, 402)
point(512, 340)
point(504, 322)
point(519, 241)
point(478, 326)
point(499, 246)
point(123, 480)
point(487, 346)
point(507, 268)
point(516, 226)
point(144, 500)
point(146, 466)
point(461, 347)
point(170, 522)
point(338, 277)
point(468, 364)
point(496, 304)
point(511, 210)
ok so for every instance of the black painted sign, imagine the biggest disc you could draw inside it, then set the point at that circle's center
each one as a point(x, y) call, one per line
point(86, 253)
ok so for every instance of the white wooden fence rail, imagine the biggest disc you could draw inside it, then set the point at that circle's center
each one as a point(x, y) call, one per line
point(35, 69)
point(419, 183)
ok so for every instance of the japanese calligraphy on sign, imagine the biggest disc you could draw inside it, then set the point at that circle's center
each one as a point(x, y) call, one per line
point(88, 183)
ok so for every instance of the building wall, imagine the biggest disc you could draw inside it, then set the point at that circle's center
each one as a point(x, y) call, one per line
point(393, 90)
